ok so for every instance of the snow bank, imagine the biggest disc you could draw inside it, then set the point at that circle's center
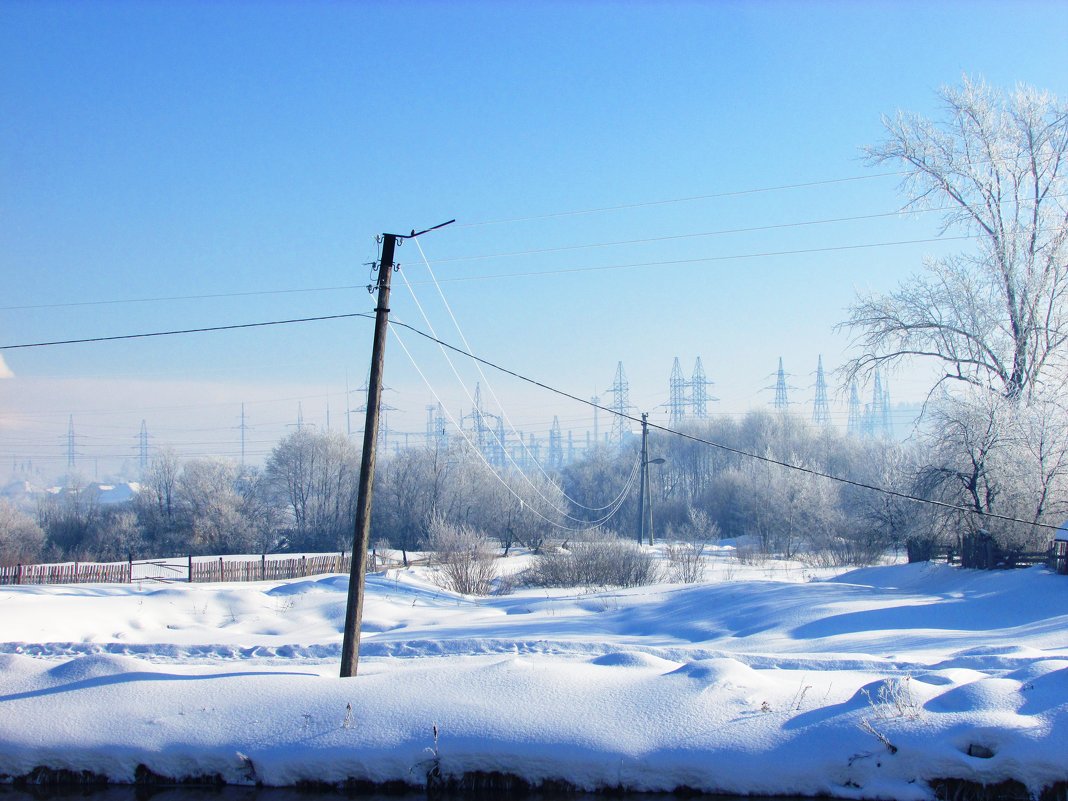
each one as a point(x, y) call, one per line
point(867, 685)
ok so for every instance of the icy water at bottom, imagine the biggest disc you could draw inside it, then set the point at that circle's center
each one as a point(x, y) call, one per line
point(149, 793)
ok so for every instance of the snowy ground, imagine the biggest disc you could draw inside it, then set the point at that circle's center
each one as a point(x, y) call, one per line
point(768, 679)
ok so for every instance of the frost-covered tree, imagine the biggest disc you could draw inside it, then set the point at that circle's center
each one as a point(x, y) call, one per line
point(156, 505)
point(21, 539)
point(212, 507)
point(314, 476)
point(995, 315)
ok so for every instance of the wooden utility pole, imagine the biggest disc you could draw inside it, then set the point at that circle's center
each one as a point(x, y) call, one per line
point(645, 498)
point(643, 478)
point(350, 645)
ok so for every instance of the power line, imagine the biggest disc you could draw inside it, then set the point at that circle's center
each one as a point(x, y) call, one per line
point(536, 251)
point(696, 235)
point(706, 259)
point(720, 446)
point(703, 259)
point(584, 525)
point(562, 393)
point(251, 293)
point(186, 331)
point(497, 436)
point(690, 199)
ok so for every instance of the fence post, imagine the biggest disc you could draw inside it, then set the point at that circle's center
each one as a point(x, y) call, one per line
point(189, 557)
point(129, 562)
point(263, 566)
point(222, 576)
point(18, 574)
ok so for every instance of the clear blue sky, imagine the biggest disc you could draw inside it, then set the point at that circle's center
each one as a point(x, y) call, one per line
point(156, 150)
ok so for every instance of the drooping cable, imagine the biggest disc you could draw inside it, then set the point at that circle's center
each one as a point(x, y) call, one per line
point(586, 525)
point(690, 199)
point(493, 393)
point(463, 385)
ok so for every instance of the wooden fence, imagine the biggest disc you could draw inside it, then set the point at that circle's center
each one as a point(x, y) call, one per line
point(264, 569)
point(72, 573)
point(196, 570)
point(982, 553)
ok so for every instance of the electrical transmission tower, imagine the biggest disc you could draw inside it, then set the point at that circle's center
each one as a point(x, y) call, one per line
point(781, 402)
point(243, 427)
point(70, 443)
point(490, 441)
point(676, 395)
point(699, 397)
point(142, 441)
point(873, 420)
point(478, 421)
point(596, 401)
point(877, 420)
point(436, 434)
point(620, 393)
point(692, 394)
point(821, 409)
point(556, 445)
point(533, 447)
point(855, 425)
point(383, 415)
point(888, 426)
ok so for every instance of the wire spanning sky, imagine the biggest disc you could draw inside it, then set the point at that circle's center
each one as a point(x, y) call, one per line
point(631, 182)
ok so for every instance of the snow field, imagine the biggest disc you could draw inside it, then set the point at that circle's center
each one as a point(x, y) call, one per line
point(864, 685)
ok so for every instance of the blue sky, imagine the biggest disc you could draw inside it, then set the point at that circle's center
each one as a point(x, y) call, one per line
point(191, 149)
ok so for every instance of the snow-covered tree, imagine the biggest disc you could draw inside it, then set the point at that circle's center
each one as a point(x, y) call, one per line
point(996, 314)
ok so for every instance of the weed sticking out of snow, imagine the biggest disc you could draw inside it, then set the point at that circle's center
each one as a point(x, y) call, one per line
point(350, 719)
point(799, 696)
point(892, 701)
point(431, 768)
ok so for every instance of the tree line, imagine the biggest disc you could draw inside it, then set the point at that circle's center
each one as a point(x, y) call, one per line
point(303, 498)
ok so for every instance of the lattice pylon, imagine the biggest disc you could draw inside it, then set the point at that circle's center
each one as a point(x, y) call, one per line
point(781, 402)
point(699, 397)
point(556, 445)
point(620, 393)
point(855, 423)
point(821, 409)
point(676, 395)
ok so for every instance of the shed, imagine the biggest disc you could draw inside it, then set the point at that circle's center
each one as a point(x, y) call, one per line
point(1058, 550)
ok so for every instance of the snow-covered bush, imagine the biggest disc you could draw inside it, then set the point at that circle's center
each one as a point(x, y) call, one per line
point(597, 563)
point(466, 559)
point(686, 558)
point(686, 563)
